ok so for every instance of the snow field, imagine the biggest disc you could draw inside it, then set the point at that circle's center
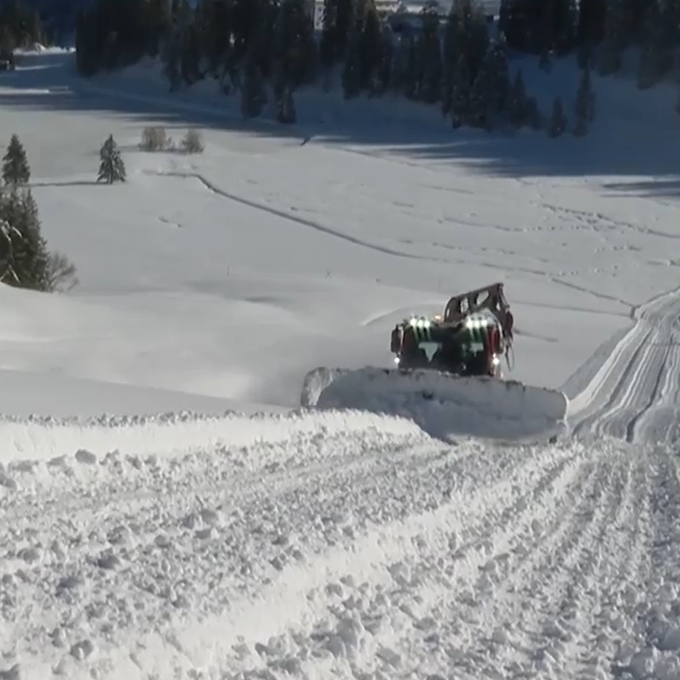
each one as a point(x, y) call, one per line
point(337, 544)
point(360, 251)
point(340, 554)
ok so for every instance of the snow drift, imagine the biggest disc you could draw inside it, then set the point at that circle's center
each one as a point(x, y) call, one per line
point(442, 405)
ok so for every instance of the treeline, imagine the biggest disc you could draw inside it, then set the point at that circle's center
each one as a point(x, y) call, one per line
point(459, 62)
point(20, 26)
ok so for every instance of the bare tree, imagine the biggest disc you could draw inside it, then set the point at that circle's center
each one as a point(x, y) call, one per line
point(7, 233)
point(153, 139)
point(61, 273)
point(193, 142)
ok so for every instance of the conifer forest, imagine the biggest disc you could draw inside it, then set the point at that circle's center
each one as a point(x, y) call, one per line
point(455, 58)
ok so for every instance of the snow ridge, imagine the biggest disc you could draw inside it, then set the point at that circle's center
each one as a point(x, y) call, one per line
point(444, 406)
point(166, 435)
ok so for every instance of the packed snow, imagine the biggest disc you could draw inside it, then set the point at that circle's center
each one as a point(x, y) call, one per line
point(168, 507)
point(443, 405)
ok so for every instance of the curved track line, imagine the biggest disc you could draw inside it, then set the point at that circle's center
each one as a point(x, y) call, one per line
point(301, 221)
point(634, 394)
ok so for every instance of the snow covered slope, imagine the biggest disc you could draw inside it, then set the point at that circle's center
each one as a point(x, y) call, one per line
point(336, 544)
point(231, 274)
point(349, 544)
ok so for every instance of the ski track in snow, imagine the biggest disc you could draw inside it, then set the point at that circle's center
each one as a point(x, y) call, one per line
point(300, 221)
point(376, 554)
point(635, 396)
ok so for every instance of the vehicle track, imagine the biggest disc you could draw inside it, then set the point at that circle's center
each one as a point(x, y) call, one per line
point(198, 539)
point(538, 603)
point(636, 399)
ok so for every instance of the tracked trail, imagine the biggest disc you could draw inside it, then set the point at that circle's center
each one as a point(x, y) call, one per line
point(540, 593)
point(378, 556)
point(636, 395)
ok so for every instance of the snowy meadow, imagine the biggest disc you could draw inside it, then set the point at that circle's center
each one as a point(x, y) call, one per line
point(298, 543)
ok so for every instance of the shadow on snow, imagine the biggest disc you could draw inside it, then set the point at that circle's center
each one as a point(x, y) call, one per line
point(632, 135)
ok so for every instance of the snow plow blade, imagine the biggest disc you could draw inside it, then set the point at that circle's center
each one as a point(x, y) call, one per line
point(442, 404)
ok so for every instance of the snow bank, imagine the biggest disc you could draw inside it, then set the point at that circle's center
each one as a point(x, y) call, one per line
point(316, 381)
point(442, 405)
point(175, 434)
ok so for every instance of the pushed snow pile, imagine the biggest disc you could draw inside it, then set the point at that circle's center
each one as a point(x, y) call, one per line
point(316, 381)
point(444, 405)
point(173, 435)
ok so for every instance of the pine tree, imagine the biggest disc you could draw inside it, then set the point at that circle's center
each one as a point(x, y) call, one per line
point(482, 103)
point(9, 237)
point(111, 167)
point(429, 54)
point(338, 20)
point(533, 114)
point(294, 50)
point(558, 121)
point(285, 112)
point(591, 21)
point(15, 169)
point(449, 59)
point(32, 257)
point(584, 55)
point(293, 56)
point(615, 37)
point(328, 47)
point(371, 44)
point(581, 105)
point(351, 72)
point(655, 59)
point(560, 24)
point(171, 60)
point(363, 50)
point(159, 24)
point(460, 94)
point(253, 94)
point(584, 107)
point(515, 23)
point(500, 75)
point(580, 127)
point(465, 45)
point(25, 256)
point(190, 61)
point(517, 102)
point(383, 73)
point(404, 73)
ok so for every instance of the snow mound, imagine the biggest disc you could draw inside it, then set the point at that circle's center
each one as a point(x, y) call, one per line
point(442, 405)
point(316, 381)
point(175, 434)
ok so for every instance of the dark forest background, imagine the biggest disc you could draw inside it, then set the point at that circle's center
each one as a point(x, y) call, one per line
point(455, 59)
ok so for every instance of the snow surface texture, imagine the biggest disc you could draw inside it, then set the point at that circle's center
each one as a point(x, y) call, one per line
point(442, 405)
point(341, 544)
